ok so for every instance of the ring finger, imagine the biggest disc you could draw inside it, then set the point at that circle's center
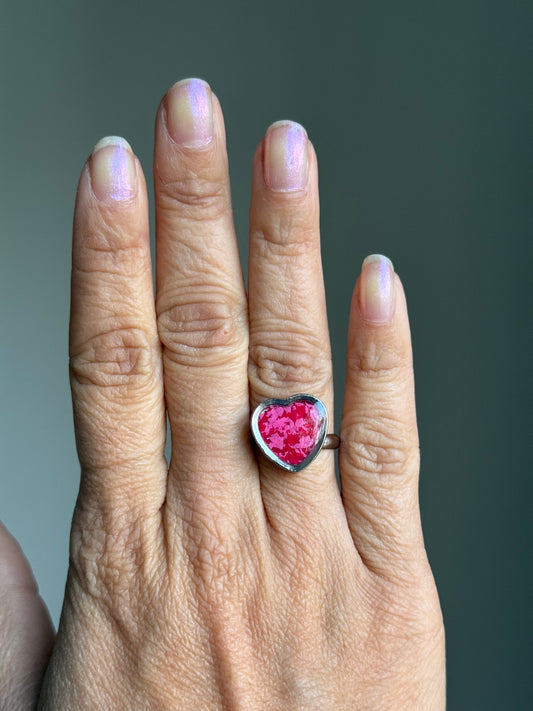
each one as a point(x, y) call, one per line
point(289, 339)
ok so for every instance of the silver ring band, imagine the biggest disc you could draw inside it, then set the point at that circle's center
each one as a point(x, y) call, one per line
point(331, 441)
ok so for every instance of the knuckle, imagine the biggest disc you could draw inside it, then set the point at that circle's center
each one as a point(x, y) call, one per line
point(380, 362)
point(379, 447)
point(121, 358)
point(286, 236)
point(410, 618)
point(216, 564)
point(106, 555)
point(214, 550)
point(298, 363)
point(195, 197)
point(212, 324)
point(110, 248)
point(303, 565)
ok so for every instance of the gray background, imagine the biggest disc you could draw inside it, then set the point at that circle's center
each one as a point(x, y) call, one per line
point(419, 115)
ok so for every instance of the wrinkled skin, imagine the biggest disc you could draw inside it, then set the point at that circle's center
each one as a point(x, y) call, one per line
point(217, 580)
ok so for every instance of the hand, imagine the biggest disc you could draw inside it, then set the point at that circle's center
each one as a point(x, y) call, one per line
point(220, 580)
point(26, 633)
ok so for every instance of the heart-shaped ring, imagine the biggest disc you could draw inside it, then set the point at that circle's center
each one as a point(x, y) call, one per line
point(292, 432)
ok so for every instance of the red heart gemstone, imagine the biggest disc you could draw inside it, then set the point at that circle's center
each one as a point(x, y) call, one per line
point(291, 430)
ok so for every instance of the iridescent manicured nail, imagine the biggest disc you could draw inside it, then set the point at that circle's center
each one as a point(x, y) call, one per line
point(190, 113)
point(113, 171)
point(285, 159)
point(376, 297)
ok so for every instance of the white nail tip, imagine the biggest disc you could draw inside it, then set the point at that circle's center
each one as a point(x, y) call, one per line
point(373, 258)
point(112, 141)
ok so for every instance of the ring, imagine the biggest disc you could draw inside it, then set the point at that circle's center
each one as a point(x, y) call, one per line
point(292, 432)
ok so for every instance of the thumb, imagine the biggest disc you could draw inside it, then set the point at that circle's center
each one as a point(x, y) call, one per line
point(26, 632)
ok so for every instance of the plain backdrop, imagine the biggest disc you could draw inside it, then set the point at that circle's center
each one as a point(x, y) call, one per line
point(419, 113)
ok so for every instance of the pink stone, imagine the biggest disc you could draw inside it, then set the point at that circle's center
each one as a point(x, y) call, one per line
point(290, 431)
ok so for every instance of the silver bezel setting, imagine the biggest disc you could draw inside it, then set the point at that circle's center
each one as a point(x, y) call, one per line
point(284, 402)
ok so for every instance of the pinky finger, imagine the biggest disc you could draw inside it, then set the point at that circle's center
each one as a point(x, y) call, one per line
point(379, 457)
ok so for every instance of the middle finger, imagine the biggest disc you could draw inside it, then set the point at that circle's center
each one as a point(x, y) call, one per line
point(201, 300)
point(289, 339)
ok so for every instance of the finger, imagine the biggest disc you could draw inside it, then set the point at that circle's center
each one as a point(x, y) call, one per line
point(289, 339)
point(379, 455)
point(201, 301)
point(115, 366)
point(26, 633)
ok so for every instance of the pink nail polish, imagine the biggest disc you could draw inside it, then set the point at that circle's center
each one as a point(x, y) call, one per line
point(285, 158)
point(113, 171)
point(376, 296)
point(190, 113)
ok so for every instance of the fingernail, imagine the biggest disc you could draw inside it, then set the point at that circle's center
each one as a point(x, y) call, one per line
point(376, 296)
point(113, 171)
point(190, 113)
point(285, 159)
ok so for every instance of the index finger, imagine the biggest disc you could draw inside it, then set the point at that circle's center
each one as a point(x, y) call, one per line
point(115, 360)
